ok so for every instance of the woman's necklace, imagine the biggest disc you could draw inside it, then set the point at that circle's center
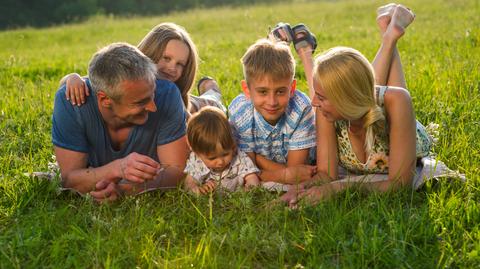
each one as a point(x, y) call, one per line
point(354, 132)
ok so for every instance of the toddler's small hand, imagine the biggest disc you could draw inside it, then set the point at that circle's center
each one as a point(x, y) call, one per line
point(208, 186)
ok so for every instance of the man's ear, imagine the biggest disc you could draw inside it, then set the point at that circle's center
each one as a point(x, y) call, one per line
point(245, 88)
point(104, 100)
point(293, 87)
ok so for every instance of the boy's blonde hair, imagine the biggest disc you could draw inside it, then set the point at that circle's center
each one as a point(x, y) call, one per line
point(209, 128)
point(348, 81)
point(268, 58)
point(154, 43)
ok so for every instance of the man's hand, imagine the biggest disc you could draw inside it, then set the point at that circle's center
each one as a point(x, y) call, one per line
point(105, 191)
point(138, 168)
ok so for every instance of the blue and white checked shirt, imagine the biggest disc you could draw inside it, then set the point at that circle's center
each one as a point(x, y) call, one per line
point(294, 131)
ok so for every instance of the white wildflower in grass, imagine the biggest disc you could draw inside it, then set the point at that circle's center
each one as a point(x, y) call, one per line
point(433, 131)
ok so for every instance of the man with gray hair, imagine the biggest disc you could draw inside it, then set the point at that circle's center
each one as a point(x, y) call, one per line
point(129, 136)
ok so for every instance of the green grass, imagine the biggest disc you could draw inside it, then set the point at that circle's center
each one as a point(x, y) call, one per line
point(435, 227)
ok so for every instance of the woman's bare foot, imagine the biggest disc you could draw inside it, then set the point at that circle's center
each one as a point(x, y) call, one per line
point(401, 18)
point(384, 16)
point(404, 16)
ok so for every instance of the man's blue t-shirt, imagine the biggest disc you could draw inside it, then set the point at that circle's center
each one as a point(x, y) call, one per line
point(82, 129)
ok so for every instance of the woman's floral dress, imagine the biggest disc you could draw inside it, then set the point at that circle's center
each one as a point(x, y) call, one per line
point(377, 160)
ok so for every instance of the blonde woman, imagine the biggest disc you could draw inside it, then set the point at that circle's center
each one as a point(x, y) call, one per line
point(361, 126)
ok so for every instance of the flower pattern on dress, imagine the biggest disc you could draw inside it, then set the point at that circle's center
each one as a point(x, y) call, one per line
point(378, 161)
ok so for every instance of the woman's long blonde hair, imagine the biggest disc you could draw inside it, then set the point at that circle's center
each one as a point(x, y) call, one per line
point(154, 43)
point(348, 81)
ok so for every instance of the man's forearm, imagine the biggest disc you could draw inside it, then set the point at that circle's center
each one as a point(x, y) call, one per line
point(84, 179)
point(168, 178)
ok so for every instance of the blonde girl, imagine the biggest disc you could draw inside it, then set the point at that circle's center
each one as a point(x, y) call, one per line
point(171, 48)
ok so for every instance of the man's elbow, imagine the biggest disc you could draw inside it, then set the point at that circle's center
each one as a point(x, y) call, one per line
point(69, 183)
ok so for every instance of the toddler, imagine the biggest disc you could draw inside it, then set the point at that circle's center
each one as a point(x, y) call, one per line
point(215, 160)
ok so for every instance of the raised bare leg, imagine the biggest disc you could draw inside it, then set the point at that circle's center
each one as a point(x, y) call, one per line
point(387, 64)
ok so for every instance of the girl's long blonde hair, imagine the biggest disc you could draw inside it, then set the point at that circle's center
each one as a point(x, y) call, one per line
point(347, 79)
point(154, 43)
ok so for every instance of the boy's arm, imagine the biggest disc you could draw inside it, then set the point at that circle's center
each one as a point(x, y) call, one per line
point(266, 164)
point(296, 157)
point(285, 174)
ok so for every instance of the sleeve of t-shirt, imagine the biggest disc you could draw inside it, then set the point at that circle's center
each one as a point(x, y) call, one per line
point(241, 121)
point(172, 112)
point(68, 131)
point(303, 135)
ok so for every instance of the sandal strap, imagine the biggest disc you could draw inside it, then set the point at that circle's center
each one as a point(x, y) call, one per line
point(308, 38)
point(285, 27)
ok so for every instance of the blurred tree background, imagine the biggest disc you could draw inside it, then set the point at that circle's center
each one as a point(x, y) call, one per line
point(41, 13)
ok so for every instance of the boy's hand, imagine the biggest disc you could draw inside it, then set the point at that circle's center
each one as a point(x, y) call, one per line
point(299, 173)
point(208, 186)
point(251, 181)
point(77, 89)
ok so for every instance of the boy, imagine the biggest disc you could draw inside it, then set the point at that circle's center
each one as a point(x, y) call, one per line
point(272, 121)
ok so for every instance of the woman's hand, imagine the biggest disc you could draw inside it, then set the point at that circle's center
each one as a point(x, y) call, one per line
point(312, 195)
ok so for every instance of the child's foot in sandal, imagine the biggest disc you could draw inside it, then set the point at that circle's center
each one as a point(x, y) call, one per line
point(281, 32)
point(384, 16)
point(207, 83)
point(401, 18)
point(304, 40)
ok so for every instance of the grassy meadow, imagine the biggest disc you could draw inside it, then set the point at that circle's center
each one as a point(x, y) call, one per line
point(438, 226)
